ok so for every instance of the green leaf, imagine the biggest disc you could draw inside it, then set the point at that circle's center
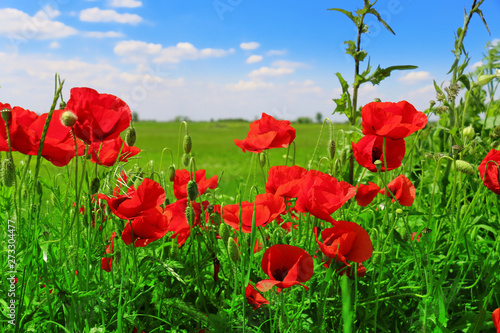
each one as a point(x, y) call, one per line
point(379, 18)
point(346, 13)
point(381, 73)
point(343, 82)
point(480, 13)
point(465, 80)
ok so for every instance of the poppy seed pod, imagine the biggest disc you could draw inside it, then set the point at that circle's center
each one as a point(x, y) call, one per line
point(171, 173)
point(7, 172)
point(232, 249)
point(6, 114)
point(192, 190)
point(464, 167)
point(262, 159)
point(188, 144)
point(130, 136)
point(68, 118)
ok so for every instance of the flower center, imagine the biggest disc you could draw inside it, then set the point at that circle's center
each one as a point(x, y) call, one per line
point(376, 154)
point(280, 273)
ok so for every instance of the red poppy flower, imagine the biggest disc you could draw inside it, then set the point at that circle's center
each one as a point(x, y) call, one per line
point(402, 189)
point(415, 234)
point(267, 208)
point(26, 128)
point(392, 120)
point(369, 149)
point(101, 117)
point(128, 206)
point(106, 152)
point(110, 249)
point(267, 133)
point(182, 177)
point(254, 297)
point(282, 174)
point(489, 174)
point(345, 241)
point(286, 266)
point(178, 222)
point(496, 319)
point(366, 193)
point(151, 225)
point(318, 193)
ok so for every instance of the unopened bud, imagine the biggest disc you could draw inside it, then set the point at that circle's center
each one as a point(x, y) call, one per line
point(7, 172)
point(6, 114)
point(377, 100)
point(192, 190)
point(190, 215)
point(224, 231)
point(399, 211)
point(432, 103)
point(262, 159)
point(185, 159)
point(331, 149)
point(188, 144)
point(171, 173)
point(469, 132)
point(94, 186)
point(130, 137)
point(484, 79)
point(68, 118)
point(464, 167)
point(232, 249)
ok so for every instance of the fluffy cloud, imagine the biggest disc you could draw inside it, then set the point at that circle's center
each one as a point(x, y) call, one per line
point(306, 87)
point(273, 72)
point(126, 3)
point(138, 51)
point(289, 64)
point(253, 59)
point(20, 27)
point(248, 86)
point(249, 46)
point(54, 45)
point(108, 15)
point(414, 77)
point(276, 52)
point(102, 34)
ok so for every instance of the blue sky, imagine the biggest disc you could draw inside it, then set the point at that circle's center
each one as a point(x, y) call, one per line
point(227, 58)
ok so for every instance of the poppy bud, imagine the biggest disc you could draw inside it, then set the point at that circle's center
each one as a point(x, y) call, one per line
point(262, 159)
point(464, 167)
point(331, 149)
point(188, 144)
point(94, 186)
point(224, 231)
point(190, 215)
point(171, 173)
point(130, 137)
point(399, 211)
point(6, 114)
point(68, 118)
point(469, 132)
point(377, 100)
point(192, 190)
point(185, 159)
point(232, 249)
point(7, 172)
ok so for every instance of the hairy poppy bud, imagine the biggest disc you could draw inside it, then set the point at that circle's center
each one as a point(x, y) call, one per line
point(331, 149)
point(7, 172)
point(94, 186)
point(190, 215)
point(262, 159)
point(192, 190)
point(469, 132)
point(232, 249)
point(464, 167)
point(171, 173)
point(185, 159)
point(6, 114)
point(68, 118)
point(188, 144)
point(130, 137)
point(224, 232)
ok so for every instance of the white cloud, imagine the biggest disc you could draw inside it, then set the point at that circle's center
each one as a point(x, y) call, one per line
point(277, 52)
point(290, 64)
point(102, 34)
point(20, 27)
point(306, 87)
point(249, 46)
point(248, 86)
point(267, 71)
point(54, 45)
point(253, 59)
point(136, 51)
point(126, 3)
point(414, 77)
point(108, 15)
